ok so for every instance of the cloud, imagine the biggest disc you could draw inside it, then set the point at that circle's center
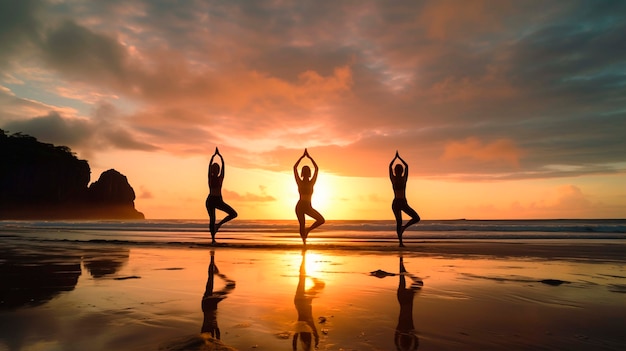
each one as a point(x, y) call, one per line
point(78, 52)
point(144, 193)
point(500, 150)
point(16, 108)
point(445, 20)
point(563, 201)
point(480, 91)
point(19, 26)
point(54, 129)
point(247, 197)
point(79, 133)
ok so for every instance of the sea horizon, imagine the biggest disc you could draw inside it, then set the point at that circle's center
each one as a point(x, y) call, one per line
point(244, 233)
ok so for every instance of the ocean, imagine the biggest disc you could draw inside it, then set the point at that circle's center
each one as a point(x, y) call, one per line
point(284, 232)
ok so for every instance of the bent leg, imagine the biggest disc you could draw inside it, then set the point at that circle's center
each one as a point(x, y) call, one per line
point(319, 219)
point(230, 213)
point(415, 218)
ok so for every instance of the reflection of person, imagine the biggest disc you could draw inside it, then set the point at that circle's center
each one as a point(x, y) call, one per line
point(399, 176)
point(405, 337)
point(305, 328)
point(214, 200)
point(305, 188)
point(211, 298)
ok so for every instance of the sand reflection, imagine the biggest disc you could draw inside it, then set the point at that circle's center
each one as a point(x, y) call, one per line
point(405, 337)
point(211, 298)
point(305, 329)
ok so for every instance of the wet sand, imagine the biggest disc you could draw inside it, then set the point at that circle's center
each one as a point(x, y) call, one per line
point(431, 296)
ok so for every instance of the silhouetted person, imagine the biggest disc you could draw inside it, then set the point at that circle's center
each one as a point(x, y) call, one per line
point(399, 176)
point(215, 200)
point(405, 337)
point(305, 329)
point(210, 299)
point(305, 188)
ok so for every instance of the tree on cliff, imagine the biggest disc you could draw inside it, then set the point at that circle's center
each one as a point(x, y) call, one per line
point(39, 180)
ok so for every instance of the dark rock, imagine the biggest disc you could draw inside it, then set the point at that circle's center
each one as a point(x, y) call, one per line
point(43, 181)
point(379, 273)
point(553, 282)
point(111, 188)
point(113, 196)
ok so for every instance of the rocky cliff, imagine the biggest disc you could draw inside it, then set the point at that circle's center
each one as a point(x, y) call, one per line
point(43, 181)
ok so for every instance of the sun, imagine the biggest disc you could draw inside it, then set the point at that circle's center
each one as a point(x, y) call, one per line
point(315, 263)
point(322, 194)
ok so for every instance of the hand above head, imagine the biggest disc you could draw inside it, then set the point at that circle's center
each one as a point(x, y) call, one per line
point(217, 151)
point(306, 152)
point(394, 159)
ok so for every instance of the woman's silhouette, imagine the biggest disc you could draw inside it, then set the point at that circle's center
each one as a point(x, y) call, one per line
point(405, 337)
point(211, 298)
point(305, 188)
point(214, 200)
point(305, 326)
point(399, 176)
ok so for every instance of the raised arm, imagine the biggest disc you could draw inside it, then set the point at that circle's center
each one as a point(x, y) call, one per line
point(391, 165)
point(295, 167)
point(223, 166)
point(209, 169)
point(406, 167)
point(315, 168)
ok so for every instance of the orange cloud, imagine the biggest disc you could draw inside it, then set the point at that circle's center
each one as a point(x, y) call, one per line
point(501, 150)
point(248, 197)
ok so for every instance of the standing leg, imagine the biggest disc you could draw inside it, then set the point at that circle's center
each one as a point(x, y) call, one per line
point(397, 212)
point(301, 221)
point(211, 210)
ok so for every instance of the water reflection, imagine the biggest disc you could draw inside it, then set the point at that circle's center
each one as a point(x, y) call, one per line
point(305, 329)
point(405, 337)
point(101, 262)
point(211, 298)
point(32, 275)
point(32, 278)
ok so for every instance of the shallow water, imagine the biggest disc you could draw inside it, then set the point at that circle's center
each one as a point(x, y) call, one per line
point(69, 296)
point(242, 232)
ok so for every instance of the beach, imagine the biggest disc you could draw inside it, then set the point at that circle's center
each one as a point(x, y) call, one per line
point(73, 291)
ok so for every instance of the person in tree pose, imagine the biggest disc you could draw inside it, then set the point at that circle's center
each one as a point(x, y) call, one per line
point(399, 176)
point(305, 188)
point(215, 200)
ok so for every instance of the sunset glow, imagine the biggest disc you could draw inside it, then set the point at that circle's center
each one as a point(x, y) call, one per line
point(502, 109)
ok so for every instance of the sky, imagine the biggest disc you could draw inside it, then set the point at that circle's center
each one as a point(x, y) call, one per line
point(502, 109)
